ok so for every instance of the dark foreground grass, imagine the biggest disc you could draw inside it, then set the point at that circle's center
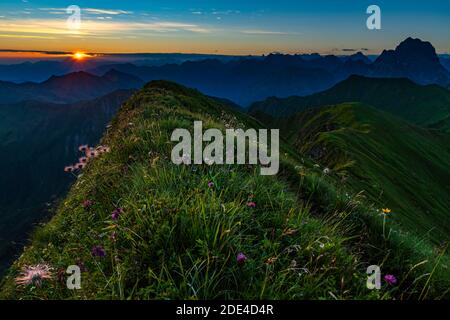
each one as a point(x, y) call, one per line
point(179, 235)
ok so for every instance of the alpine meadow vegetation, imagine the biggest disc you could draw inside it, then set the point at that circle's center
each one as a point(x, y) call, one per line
point(140, 227)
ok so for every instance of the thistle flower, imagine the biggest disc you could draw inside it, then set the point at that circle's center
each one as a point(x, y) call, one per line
point(83, 148)
point(390, 279)
point(91, 153)
point(240, 258)
point(80, 166)
point(34, 275)
point(69, 169)
point(103, 149)
point(251, 204)
point(98, 251)
point(116, 213)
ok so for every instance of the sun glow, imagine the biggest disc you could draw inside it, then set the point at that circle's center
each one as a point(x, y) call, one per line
point(79, 56)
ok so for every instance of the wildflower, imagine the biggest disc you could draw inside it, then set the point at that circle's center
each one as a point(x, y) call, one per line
point(386, 210)
point(98, 251)
point(390, 279)
point(91, 153)
point(240, 258)
point(69, 169)
point(80, 166)
point(34, 275)
point(116, 213)
point(82, 160)
point(326, 171)
point(83, 148)
point(251, 204)
point(87, 204)
point(210, 184)
point(103, 149)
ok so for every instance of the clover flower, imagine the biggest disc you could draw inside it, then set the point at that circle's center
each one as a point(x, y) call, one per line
point(116, 213)
point(98, 251)
point(240, 258)
point(390, 279)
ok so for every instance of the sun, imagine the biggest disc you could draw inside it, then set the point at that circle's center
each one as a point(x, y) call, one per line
point(79, 56)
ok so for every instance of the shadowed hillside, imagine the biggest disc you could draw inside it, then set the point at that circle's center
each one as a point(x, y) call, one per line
point(423, 105)
point(37, 140)
point(405, 167)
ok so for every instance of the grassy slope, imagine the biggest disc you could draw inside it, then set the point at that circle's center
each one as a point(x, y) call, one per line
point(397, 164)
point(177, 238)
point(422, 105)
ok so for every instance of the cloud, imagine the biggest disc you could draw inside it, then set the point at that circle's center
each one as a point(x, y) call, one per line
point(348, 50)
point(35, 51)
point(93, 11)
point(24, 36)
point(108, 12)
point(48, 27)
point(264, 32)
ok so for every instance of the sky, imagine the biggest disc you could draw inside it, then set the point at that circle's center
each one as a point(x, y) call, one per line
point(225, 27)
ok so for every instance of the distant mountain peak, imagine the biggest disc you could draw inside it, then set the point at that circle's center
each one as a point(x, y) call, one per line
point(412, 58)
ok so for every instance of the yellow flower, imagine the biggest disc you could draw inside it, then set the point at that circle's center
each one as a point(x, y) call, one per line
point(386, 210)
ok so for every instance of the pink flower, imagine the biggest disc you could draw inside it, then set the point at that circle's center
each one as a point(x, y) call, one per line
point(69, 169)
point(87, 204)
point(116, 213)
point(91, 153)
point(251, 204)
point(98, 251)
point(34, 275)
point(83, 160)
point(80, 166)
point(390, 279)
point(210, 184)
point(240, 258)
point(83, 148)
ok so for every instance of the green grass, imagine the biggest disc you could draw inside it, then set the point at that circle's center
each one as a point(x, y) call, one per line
point(398, 165)
point(423, 105)
point(178, 239)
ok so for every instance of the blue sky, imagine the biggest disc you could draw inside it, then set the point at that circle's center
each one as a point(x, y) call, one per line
point(230, 27)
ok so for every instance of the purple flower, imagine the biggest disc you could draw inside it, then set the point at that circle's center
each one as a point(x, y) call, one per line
point(87, 204)
point(98, 251)
point(210, 184)
point(390, 279)
point(251, 204)
point(240, 258)
point(116, 213)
